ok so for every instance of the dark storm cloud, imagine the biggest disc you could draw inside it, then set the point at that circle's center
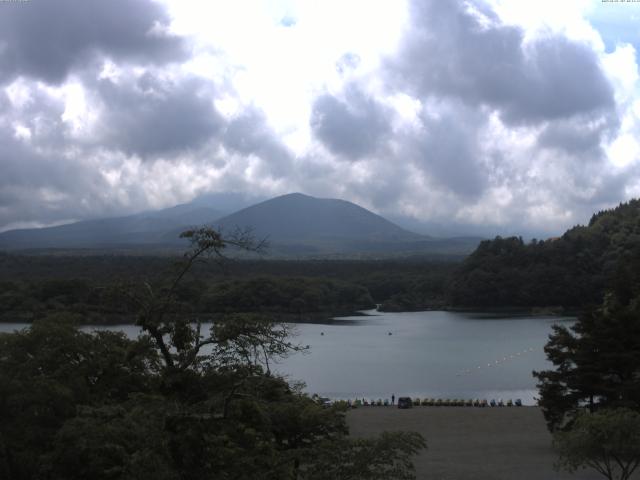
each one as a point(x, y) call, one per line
point(448, 51)
point(43, 186)
point(354, 127)
point(470, 81)
point(249, 134)
point(5, 103)
point(154, 117)
point(610, 187)
point(385, 187)
point(46, 39)
point(463, 65)
point(49, 174)
point(150, 116)
point(579, 137)
point(41, 181)
point(447, 149)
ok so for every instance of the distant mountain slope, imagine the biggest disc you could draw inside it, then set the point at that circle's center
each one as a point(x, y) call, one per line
point(296, 217)
point(140, 229)
point(294, 225)
point(297, 224)
point(571, 271)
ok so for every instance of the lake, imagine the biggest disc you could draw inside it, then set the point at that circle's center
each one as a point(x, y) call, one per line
point(418, 354)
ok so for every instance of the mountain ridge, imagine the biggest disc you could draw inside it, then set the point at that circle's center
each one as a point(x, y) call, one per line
point(137, 229)
point(294, 224)
point(303, 215)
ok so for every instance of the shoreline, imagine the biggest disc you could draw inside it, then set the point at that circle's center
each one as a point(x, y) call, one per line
point(322, 318)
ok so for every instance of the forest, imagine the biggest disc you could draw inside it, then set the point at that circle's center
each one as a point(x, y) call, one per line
point(562, 274)
point(296, 290)
point(180, 403)
point(176, 402)
point(571, 271)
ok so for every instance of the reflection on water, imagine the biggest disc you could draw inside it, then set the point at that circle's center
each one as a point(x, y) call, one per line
point(350, 321)
point(417, 354)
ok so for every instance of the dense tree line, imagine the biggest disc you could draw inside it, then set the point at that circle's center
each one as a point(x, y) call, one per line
point(291, 295)
point(111, 267)
point(591, 396)
point(570, 271)
point(26, 300)
point(175, 403)
point(596, 360)
point(299, 288)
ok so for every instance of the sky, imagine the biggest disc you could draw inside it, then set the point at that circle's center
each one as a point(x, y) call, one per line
point(496, 115)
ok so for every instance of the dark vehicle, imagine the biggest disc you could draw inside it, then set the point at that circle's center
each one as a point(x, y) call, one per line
point(404, 402)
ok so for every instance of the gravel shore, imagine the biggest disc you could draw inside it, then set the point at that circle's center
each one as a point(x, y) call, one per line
point(465, 443)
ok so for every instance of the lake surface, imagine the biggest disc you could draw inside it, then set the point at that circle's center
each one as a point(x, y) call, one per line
point(428, 354)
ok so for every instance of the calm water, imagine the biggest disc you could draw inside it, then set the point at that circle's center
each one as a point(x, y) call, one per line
point(428, 354)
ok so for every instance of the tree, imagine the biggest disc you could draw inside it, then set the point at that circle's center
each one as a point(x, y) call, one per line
point(386, 457)
point(126, 440)
point(607, 441)
point(597, 363)
point(177, 340)
point(174, 404)
point(47, 372)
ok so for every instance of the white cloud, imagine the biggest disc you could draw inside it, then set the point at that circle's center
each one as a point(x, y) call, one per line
point(520, 114)
point(624, 150)
point(541, 17)
point(281, 68)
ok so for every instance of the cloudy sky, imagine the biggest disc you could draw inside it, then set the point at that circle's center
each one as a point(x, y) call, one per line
point(502, 114)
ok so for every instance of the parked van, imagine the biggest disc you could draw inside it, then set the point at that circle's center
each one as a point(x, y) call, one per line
point(404, 402)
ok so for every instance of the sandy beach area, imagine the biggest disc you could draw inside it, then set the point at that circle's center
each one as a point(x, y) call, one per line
point(467, 443)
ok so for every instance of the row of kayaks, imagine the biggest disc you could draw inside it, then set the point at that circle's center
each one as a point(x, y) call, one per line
point(433, 402)
point(458, 402)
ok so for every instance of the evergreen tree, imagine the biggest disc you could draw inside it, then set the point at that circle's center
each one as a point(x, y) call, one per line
point(597, 362)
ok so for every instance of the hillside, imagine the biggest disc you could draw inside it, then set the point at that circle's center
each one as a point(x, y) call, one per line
point(295, 225)
point(146, 228)
point(302, 217)
point(570, 271)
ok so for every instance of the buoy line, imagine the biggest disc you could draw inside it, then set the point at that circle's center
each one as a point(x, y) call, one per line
point(496, 362)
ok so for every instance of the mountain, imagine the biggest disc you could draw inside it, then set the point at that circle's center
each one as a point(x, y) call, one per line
point(228, 201)
point(301, 217)
point(294, 225)
point(147, 228)
point(299, 224)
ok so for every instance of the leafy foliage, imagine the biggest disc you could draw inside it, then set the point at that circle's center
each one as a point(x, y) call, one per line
point(389, 456)
point(607, 441)
point(291, 290)
point(176, 403)
point(49, 370)
point(570, 271)
point(291, 295)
